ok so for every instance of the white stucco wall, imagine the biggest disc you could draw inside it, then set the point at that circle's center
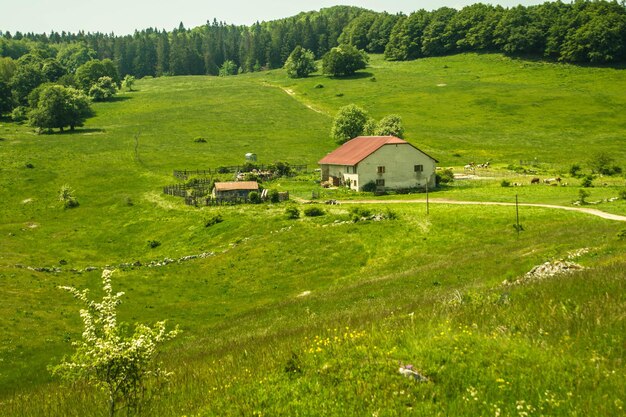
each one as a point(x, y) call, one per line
point(399, 161)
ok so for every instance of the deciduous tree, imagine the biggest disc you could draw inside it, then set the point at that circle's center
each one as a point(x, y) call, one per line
point(348, 123)
point(344, 60)
point(103, 89)
point(301, 63)
point(59, 107)
point(390, 125)
point(88, 74)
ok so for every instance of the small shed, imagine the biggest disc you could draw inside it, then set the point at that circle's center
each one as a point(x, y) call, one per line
point(234, 189)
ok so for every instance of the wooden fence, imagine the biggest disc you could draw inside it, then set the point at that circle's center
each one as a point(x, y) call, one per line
point(213, 201)
point(185, 174)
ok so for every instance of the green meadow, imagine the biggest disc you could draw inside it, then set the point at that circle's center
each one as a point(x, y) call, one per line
point(314, 316)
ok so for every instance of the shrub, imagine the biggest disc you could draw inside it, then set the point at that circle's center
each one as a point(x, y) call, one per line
point(222, 170)
point(19, 114)
point(228, 68)
point(248, 167)
point(66, 196)
point(391, 215)
point(621, 234)
point(574, 171)
point(29, 166)
point(154, 244)
point(254, 197)
point(282, 169)
point(213, 220)
point(622, 194)
point(370, 187)
point(587, 181)
point(108, 358)
point(199, 140)
point(602, 163)
point(273, 196)
point(516, 168)
point(319, 86)
point(444, 177)
point(251, 176)
point(505, 183)
point(292, 213)
point(582, 196)
point(313, 212)
point(360, 212)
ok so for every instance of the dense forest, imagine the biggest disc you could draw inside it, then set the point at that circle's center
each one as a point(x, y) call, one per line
point(580, 32)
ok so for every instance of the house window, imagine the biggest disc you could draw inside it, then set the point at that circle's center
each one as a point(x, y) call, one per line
point(381, 170)
point(418, 168)
point(348, 169)
point(380, 183)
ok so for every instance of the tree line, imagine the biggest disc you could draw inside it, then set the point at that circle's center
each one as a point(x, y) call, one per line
point(582, 32)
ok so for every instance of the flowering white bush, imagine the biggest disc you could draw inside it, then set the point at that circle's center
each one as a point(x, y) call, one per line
point(119, 365)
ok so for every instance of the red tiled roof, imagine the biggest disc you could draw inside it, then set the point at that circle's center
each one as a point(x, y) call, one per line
point(236, 185)
point(359, 148)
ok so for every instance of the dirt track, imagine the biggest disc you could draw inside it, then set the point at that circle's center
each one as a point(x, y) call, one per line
point(593, 212)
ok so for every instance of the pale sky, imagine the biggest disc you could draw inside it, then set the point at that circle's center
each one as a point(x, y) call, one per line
point(124, 16)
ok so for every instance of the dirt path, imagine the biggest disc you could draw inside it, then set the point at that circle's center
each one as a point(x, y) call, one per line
point(293, 94)
point(593, 212)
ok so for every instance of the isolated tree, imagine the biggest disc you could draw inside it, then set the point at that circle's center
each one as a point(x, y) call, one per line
point(344, 60)
point(301, 63)
point(390, 125)
point(121, 366)
point(59, 107)
point(128, 82)
point(349, 123)
point(103, 89)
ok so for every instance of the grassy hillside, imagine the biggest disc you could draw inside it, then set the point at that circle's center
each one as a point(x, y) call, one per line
point(425, 290)
point(487, 107)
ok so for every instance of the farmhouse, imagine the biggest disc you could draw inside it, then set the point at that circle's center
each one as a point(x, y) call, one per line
point(386, 161)
point(234, 189)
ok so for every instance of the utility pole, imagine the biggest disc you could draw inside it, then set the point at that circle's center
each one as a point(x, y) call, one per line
point(517, 226)
point(427, 208)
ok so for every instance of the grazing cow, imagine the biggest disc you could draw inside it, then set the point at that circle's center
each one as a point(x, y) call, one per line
point(470, 167)
point(535, 180)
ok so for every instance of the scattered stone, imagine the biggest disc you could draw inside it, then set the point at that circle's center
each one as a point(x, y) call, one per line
point(304, 293)
point(547, 270)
